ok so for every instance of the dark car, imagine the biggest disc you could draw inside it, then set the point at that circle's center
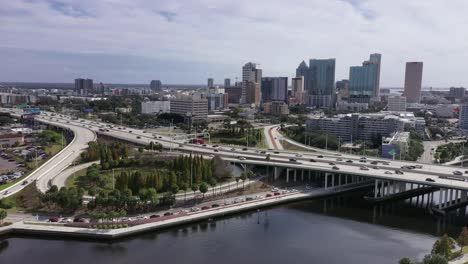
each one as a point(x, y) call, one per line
point(430, 180)
point(138, 137)
point(320, 156)
point(79, 220)
point(168, 213)
point(335, 168)
point(292, 160)
point(25, 182)
point(312, 160)
point(332, 163)
point(205, 208)
point(277, 193)
point(349, 161)
point(155, 216)
point(216, 150)
point(53, 219)
point(130, 131)
point(244, 149)
point(262, 152)
point(214, 205)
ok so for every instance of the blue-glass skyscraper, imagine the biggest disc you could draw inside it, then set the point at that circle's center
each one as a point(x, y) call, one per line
point(362, 82)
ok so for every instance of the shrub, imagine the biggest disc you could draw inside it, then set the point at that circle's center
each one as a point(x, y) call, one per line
point(125, 225)
point(6, 204)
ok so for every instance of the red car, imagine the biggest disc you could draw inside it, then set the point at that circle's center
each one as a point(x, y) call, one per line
point(269, 195)
point(205, 208)
point(53, 219)
point(277, 193)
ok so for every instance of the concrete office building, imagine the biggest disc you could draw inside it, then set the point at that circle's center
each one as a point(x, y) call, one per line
point(218, 101)
point(297, 90)
point(276, 108)
point(227, 82)
point(12, 99)
point(352, 127)
point(413, 80)
point(396, 103)
point(251, 74)
point(457, 92)
point(274, 89)
point(463, 117)
point(196, 109)
point(252, 93)
point(210, 82)
point(351, 107)
point(155, 107)
point(234, 94)
point(156, 85)
point(83, 86)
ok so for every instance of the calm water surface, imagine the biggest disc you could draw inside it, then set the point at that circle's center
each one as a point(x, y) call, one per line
point(338, 230)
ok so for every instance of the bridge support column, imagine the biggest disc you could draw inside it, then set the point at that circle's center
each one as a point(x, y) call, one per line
point(287, 175)
point(451, 197)
point(333, 180)
point(463, 196)
point(275, 173)
point(339, 179)
point(394, 187)
point(446, 197)
point(326, 181)
point(302, 175)
point(295, 175)
point(440, 198)
point(376, 186)
point(309, 175)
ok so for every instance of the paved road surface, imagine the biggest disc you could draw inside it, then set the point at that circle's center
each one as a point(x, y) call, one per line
point(57, 163)
point(61, 178)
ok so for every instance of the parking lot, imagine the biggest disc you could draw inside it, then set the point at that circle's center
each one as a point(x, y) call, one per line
point(6, 165)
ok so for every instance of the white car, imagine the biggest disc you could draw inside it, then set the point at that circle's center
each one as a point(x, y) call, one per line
point(194, 209)
point(388, 172)
point(227, 202)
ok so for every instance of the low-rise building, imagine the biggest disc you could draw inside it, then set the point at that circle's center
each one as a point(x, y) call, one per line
point(9, 140)
point(351, 127)
point(396, 103)
point(196, 109)
point(395, 146)
point(277, 108)
point(155, 107)
point(352, 107)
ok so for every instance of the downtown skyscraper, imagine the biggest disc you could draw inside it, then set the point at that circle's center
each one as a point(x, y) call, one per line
point(251, 84)
point(364, 81)
point(319, 82)
point(413, 81)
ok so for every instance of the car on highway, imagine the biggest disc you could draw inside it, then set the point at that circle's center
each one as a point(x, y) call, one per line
point(319, 156)
point(195, 209)
point(430, 180)
point(363, 168)
point(227, 202)
point(388, 172)
point(399, 172)
point(24, 182)
point(138, 137)
point(335, 168)
point(130, 131)
point(214, 205)
point(276, 152)
point(457, 173)
point(154, 216)
point(349, 161)
point(276, 194)
point(312, 160)
point(241, 158)
point(332, 163)
point(269, 195)
point(249, 198)
point(339, 159)
point(262, 152)
point(233, 149)
point(298, 155)
point(205, 208)
point(53, 219)
point(245, 149)
point(168, 213)
point(293, 160)
point(374, 162)
point(418, 166)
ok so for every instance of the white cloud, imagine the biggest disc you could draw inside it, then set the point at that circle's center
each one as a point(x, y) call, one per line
point(278, 34)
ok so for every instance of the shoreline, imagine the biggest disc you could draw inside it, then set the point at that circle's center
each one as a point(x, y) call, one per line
point(59, 230)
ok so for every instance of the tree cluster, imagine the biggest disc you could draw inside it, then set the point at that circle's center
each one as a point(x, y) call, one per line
point(67, 199)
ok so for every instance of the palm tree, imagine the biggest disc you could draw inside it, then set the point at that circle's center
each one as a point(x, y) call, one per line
point(194, 189)
point(243, 178)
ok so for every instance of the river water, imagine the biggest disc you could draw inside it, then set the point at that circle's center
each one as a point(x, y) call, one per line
point(343, 229)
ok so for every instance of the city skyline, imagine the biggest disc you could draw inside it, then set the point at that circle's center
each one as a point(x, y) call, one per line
point(57, 41)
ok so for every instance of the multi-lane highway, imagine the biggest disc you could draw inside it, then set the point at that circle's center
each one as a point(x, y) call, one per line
point(347, 164)
point(47, 171)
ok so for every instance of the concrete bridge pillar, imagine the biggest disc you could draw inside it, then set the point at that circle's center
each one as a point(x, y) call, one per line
point(376, 187)
point(463, 196)
point(339, 179)
point(394, 187)
point(326, 181)
point(309, 175)
point(440, 198)
point(302, 175)
point(287, 175)
point(295, 175)
point(451, 197)
point(446, 197)
point(275, 173)
point(332, 180)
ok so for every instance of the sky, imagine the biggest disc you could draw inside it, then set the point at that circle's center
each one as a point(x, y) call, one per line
point(188, 41)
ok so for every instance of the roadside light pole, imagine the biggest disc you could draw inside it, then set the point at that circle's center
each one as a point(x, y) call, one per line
point(113, 180)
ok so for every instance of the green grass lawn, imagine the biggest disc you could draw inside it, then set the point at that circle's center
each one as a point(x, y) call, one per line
point(289, 146)
point(71, 181)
